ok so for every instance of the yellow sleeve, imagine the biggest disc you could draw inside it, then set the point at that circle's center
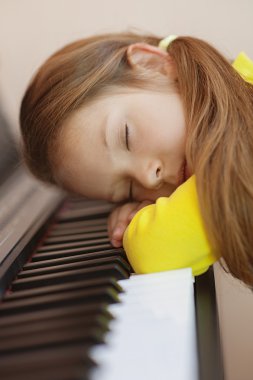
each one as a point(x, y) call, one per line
point(169, 234)
point(244, 65)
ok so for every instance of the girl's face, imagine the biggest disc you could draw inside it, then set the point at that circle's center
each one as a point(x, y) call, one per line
point(126, 145)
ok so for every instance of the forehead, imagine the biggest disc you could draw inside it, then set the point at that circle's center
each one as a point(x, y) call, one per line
point(84, 164)
point(96, 109)
point(82, 152)
point(88, 122)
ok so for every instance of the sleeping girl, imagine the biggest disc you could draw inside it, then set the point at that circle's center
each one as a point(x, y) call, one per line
point(161, 127)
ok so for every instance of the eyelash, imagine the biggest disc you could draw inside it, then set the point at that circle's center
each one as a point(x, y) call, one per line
point(127, 136)
point(130, 196)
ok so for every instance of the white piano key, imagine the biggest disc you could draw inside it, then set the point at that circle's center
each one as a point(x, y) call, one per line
point(153, 335)
point(158, 277)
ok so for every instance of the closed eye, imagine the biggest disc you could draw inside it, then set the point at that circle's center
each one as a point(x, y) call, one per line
point(127, 136)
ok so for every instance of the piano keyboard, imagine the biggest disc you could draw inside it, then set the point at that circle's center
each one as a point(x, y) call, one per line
point(72, 308)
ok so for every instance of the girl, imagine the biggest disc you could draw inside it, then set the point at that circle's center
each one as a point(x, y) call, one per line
point(131, 119)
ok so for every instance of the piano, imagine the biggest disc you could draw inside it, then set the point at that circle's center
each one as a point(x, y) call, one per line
point(72, 308)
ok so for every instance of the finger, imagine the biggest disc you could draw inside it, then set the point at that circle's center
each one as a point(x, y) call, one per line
point(123, 221)
point(120, 215)
point(116, 230)
point(117, 234)
point(117, 243)
point(112, 220)
point(138, 208)
point(119, 230)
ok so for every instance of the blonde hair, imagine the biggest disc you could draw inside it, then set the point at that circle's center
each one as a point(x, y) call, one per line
point(218, 106)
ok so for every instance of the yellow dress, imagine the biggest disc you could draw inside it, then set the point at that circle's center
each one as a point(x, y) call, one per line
point(170, 233)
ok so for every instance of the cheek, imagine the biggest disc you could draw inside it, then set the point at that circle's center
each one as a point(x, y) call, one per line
point(171, 141)
point(159, 133)
point(176, 135)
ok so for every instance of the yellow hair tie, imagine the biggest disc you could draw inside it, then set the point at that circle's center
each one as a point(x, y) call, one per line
point(164, 43)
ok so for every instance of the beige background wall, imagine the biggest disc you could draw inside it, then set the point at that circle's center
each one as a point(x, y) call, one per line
point(30, 30)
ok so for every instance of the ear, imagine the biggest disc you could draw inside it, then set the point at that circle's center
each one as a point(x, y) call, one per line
point(145, 56)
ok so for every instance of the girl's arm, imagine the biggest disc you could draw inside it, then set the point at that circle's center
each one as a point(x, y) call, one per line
point(169, 234)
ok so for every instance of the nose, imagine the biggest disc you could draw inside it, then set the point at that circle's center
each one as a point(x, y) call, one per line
point(150, 174)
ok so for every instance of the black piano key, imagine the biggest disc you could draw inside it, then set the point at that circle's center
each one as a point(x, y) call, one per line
point(102, 294)
point(83, 213)
point(48, 266)
point(70, 237)
point(109, 270)
point(33, 359)
point(46, 326)
point(42, 327)
point(85, 284)
point(77, 202)
point(83, 224)
point(62, 372)
point(75, 265)
point(28, 364)
point(65, 372)
point(52, 339)
point(77, 230)
point(83, 243)
point(92, 309)
point(72, 252)
point(40, 262)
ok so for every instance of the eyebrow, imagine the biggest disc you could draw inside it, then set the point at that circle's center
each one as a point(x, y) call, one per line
point(120, 135)
point(121, 140)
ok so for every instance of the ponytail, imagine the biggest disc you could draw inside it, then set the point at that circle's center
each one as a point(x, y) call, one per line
point(218, 107)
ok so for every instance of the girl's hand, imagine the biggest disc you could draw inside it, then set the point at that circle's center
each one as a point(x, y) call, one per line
point(119, 219)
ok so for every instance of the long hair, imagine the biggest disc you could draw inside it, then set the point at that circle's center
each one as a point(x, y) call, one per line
point(218, 106)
